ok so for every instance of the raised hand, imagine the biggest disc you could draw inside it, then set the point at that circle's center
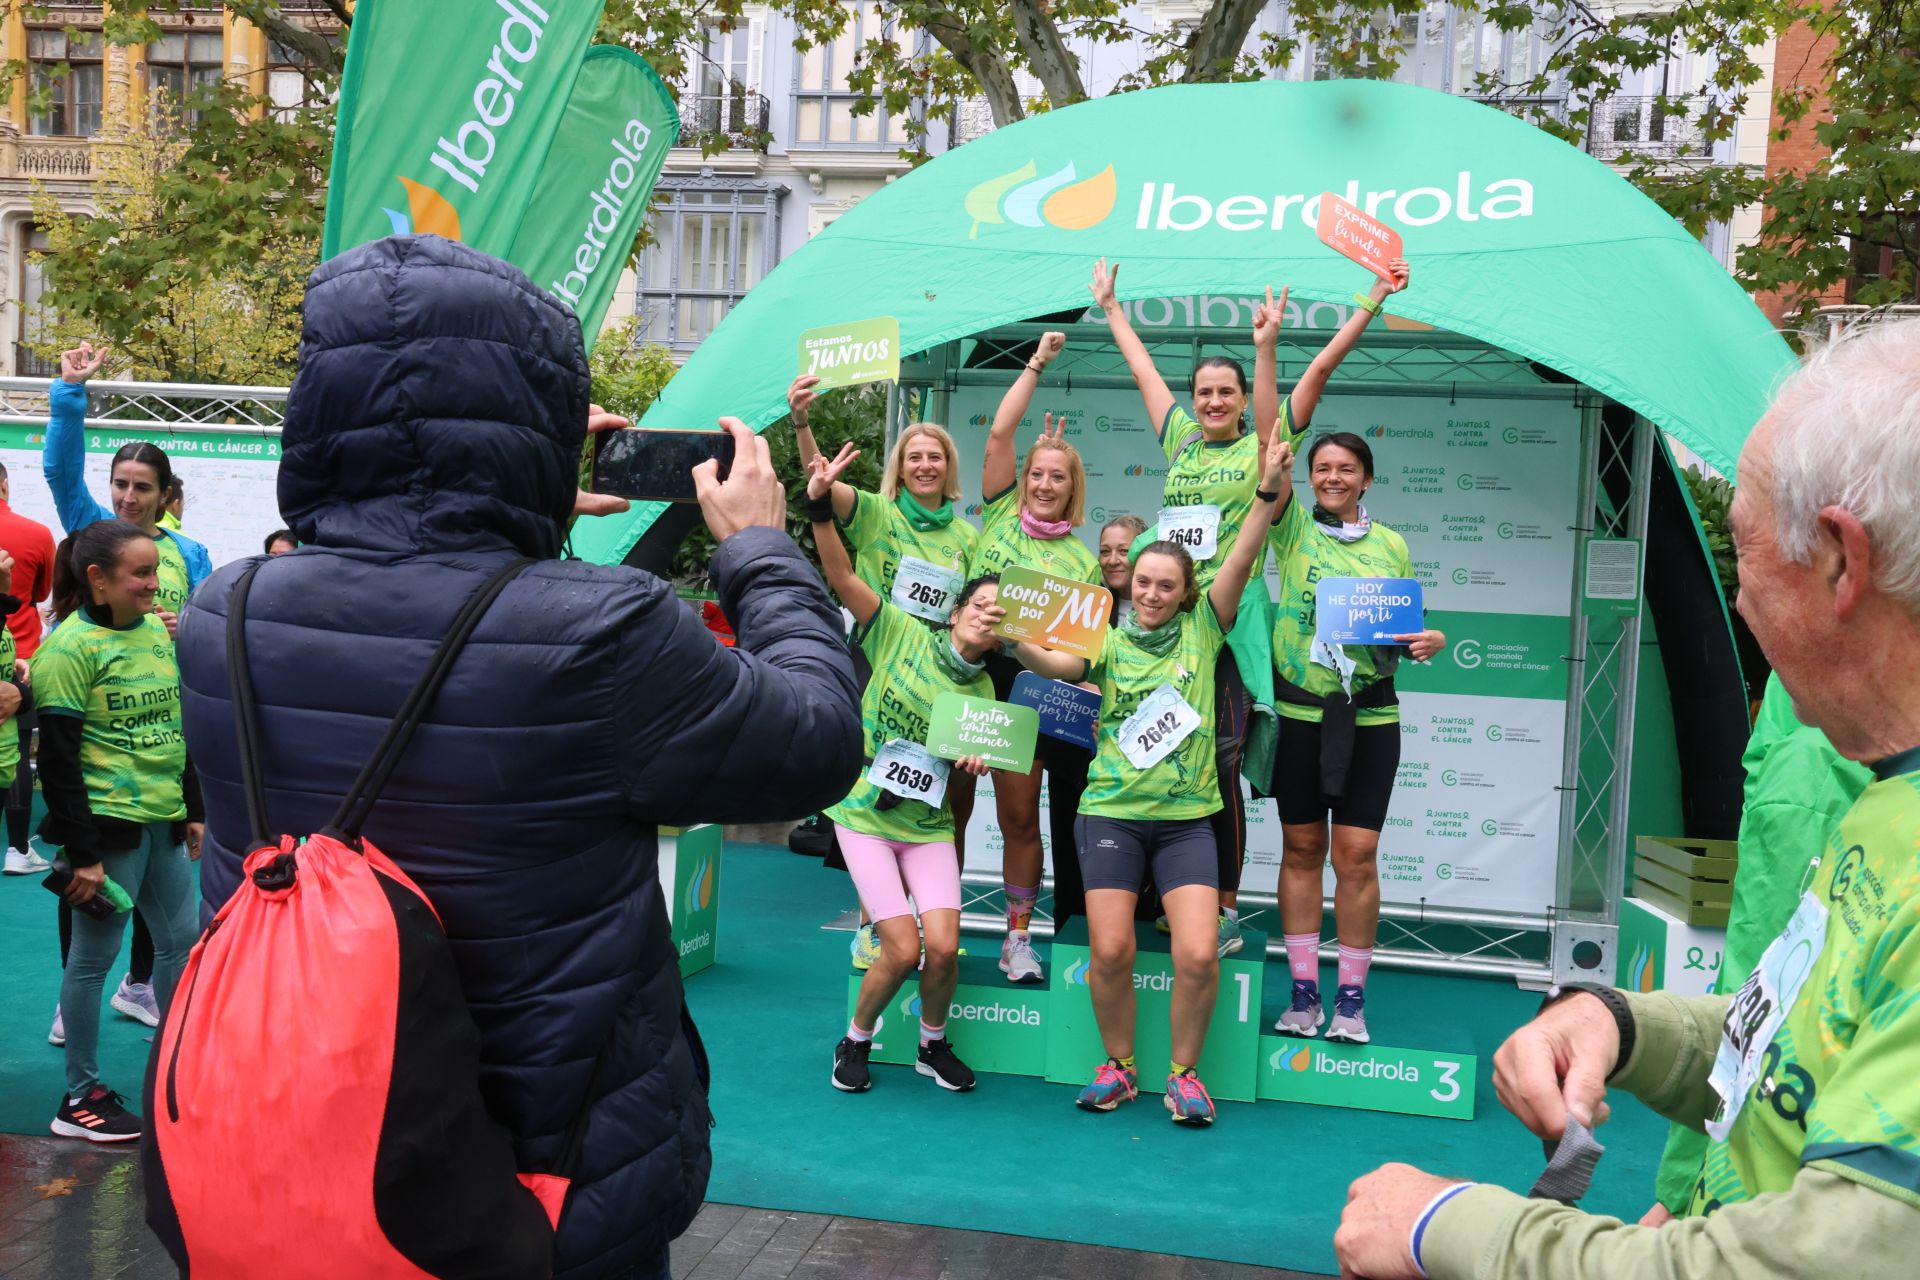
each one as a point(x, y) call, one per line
point(800, 398)
point(821, 476)
point(1268, 317)
point(1053, 433)
point(1052, 343)
point(1104, 279)
point(1278, 471)
point(1402, 273)
point(82, 362)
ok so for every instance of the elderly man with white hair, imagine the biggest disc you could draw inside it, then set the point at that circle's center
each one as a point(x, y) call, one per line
point(1807, 1080)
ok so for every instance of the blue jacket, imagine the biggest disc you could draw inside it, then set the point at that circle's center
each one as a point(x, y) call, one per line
point(65, 462)
point(433, 433)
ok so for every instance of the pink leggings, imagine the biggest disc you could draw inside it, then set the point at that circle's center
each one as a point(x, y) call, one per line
point(887, 871)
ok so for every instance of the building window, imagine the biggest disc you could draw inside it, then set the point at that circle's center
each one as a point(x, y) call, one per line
point(823, 105)
point(715, 238)
point(32, 285)
point(293, 81)
point(178, 65)
point(66, 72)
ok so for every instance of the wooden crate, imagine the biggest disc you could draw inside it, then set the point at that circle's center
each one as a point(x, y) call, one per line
point(1695, 913)
point(1696, 859)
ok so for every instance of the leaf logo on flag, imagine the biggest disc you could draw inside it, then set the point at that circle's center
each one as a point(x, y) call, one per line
point(428, 213)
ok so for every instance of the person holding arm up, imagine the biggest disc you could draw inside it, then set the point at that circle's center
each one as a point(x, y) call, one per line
point(1031, 512)
point(140, 478)
point(1152, 792)
point(897, 833)
point(1339, 731)
point(1211, 455)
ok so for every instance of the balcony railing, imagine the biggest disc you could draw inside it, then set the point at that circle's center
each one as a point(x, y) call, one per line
point(43, 157)
point(1666, 128)
point(736, 113)
point(972, 118)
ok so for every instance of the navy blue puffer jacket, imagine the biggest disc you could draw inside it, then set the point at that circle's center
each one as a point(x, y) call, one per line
point(432, 435)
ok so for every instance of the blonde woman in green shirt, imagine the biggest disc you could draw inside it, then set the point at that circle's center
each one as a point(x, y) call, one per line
point(1151, 794)
point(895, 828)
point(1032, 510)
point(1211, 455)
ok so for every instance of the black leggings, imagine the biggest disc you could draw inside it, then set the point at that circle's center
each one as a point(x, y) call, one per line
point(1232, 711)
point(139, 967)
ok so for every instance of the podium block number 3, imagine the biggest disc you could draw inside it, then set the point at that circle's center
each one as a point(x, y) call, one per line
point(1449, 1081)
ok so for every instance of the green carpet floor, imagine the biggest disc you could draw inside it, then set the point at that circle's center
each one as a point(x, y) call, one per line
point(1265, 1185)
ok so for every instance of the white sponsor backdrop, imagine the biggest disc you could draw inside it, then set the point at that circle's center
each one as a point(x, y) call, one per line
point(230, 480)
point(1484, 491)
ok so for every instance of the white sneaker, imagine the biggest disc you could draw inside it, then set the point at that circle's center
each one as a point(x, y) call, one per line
point(1017, 958)
point(137, 1001)
point(25, 862)
point(57, 1037)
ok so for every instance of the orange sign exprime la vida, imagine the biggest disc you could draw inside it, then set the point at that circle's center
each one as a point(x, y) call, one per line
point(1368, 241)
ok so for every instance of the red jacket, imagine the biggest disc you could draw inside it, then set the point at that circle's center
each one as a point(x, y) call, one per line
point(30, 543)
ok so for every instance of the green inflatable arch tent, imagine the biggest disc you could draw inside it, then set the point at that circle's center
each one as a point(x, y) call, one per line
point(1518, 240)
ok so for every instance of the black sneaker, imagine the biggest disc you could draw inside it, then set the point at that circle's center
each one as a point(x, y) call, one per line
point(850, 1074)
point(97, 1117)
point(937, 1059)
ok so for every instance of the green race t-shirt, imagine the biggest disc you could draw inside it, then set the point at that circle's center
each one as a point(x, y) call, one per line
point(898, 703)
point(1836, 1088)
point(1004, 543)
point(880, 535)
point(174, 584)
point(9, 733)
point(1184, 784)
point(1305, 556)
point(125, 687)
point(1202, 472)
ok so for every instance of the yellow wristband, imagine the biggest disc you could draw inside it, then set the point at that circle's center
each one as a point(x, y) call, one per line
point(1368, 303)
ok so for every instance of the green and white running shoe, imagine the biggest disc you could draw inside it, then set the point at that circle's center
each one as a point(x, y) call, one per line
point(865, 947)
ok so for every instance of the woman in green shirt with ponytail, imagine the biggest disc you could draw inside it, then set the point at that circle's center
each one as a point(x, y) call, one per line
point(1151, 793)
point(1211, 456)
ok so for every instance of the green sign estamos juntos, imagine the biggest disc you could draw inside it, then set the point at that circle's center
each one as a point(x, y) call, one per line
point(844, 355)
point(446, 113)
point(596, 183)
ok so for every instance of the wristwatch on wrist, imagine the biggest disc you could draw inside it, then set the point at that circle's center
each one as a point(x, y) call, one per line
point(1616, 1005)
point(1261, 495)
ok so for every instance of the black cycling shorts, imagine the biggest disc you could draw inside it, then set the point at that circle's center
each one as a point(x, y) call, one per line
point(1296, 775)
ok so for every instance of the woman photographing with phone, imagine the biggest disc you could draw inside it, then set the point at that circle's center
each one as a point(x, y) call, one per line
point(1152, 792)
point(120, 793)
point(896, 828)
point(1211, 455)
point(1031, 513)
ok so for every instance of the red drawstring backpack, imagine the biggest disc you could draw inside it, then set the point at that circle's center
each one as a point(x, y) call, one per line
point(313, 1102)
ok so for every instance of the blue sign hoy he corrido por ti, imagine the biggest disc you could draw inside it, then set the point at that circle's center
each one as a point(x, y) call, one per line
point(1367, 610)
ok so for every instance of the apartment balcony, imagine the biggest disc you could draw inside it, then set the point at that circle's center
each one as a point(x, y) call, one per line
point(736, 113)
point(1664, 128)
point(46, 159)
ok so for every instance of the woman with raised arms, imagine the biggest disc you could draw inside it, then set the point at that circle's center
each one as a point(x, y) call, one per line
point(1031, 513)
point(1151, 794)
point(895, 828)
point(1211, 456)
point(1339, 729)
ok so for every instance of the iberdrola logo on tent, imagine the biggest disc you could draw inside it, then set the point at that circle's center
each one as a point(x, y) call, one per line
point(1077, 973)
point(1292, 1059)
point(700, 887)
point(428, 212)
point(1060, 199)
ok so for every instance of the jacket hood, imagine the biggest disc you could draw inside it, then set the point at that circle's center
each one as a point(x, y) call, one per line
point(440, 405)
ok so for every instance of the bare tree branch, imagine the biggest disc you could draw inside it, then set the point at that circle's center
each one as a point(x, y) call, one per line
point(1216, 43)
point(1047, 52)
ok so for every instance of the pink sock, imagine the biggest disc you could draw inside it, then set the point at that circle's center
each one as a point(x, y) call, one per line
point(1303, 956)
point(929, 1034)
point(1354, 962)
point(855, 1034)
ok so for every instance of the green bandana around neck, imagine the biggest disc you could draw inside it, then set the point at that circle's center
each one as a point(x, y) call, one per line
point(919, 517)
point(954, 666)
point(1159, 641)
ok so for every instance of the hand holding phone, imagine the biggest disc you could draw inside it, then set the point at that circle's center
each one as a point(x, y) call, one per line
point(747, 496)
point(656, 465)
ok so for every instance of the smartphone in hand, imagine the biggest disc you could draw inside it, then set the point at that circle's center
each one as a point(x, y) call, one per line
point(653, 465)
